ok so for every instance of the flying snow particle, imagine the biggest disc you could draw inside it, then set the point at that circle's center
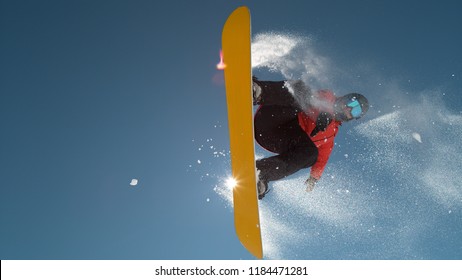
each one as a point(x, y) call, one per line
point(134, 182)
point(417, 137)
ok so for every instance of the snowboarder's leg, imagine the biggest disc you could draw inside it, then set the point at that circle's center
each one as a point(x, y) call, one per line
point(272, 127)
point(300, 153)
point(273, 93)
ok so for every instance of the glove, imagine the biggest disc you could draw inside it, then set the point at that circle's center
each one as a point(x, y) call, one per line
point(310, 183)
point(323, 120)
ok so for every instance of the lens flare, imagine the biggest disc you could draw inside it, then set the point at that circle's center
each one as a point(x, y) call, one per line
point(221, 65)
point(231, 183)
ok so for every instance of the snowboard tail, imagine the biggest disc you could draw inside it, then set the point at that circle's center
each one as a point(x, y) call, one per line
point(236, 39)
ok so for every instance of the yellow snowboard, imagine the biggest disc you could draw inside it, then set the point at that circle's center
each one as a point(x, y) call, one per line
point(236, 40)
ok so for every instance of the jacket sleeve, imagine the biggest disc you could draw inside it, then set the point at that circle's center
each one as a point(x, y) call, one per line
point(324, 152)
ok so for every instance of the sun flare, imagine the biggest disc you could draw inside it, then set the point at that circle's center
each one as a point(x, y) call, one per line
point(231, 182)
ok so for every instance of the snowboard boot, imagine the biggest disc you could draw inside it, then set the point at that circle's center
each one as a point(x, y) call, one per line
point(263, 189)
point(256, 89)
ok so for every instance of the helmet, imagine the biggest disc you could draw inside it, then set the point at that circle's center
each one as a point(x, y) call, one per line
point(351, 106)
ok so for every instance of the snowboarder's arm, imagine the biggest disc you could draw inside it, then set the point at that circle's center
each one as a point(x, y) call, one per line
point(324, 152)
point(322, 121)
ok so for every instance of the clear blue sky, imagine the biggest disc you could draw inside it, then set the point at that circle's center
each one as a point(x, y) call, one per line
point(96, 93)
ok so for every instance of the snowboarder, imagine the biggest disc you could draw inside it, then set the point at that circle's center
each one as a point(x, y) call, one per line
point(299, 126)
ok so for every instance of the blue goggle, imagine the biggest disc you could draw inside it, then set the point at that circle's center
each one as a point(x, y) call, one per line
point(355, 108)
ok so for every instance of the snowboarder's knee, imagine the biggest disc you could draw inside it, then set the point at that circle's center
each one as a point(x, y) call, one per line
point(307, 156)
